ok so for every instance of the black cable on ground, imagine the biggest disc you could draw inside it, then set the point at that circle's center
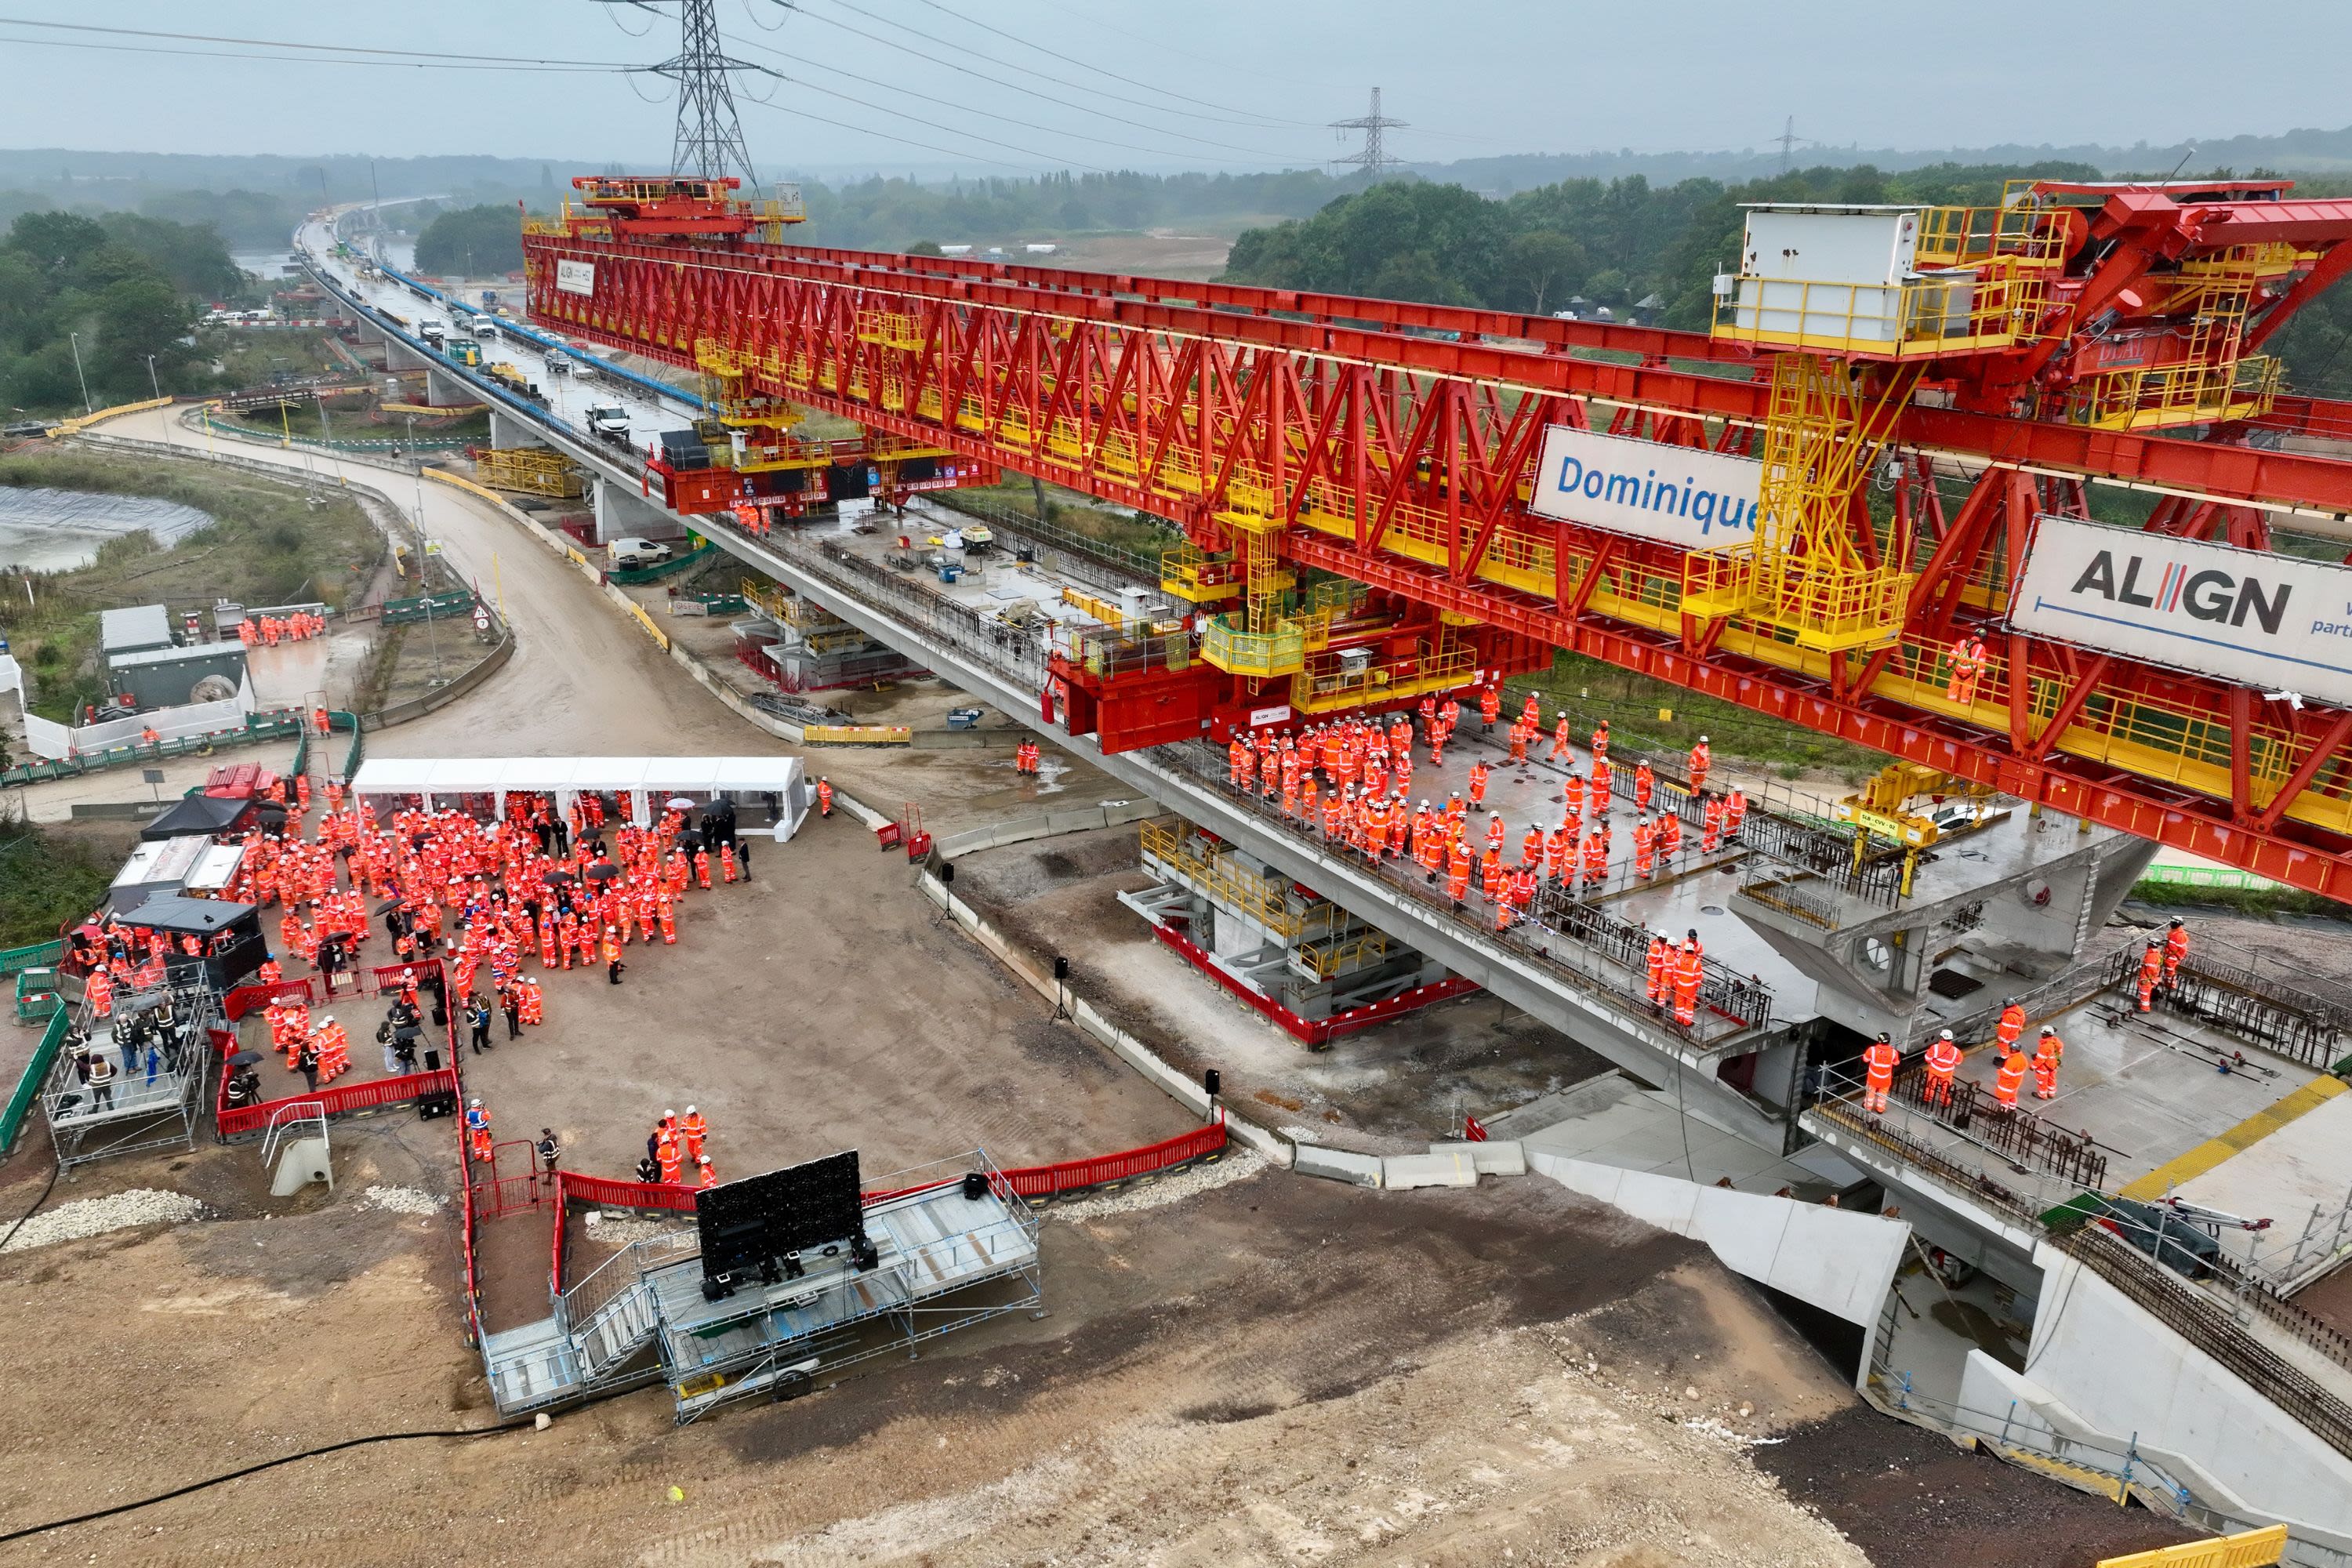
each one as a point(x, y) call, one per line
point(248, 1470)
point(48, 1187)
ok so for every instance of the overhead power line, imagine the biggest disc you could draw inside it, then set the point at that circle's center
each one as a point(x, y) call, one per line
point(311, 59)
point(1057, 101)
point(1374, 159)
point(964, 153)
point(436, 55)
point(710, 140)
point(919, 120)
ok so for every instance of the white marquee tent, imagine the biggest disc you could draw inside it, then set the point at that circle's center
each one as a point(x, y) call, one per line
point(483, 783)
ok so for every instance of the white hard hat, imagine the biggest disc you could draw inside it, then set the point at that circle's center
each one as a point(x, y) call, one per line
point(475, 1100)
point(1702, 740)
point(667, 1113)
point(689, 1110)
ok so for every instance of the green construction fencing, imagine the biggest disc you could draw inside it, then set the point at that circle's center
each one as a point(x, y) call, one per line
point(39, 954)
point(447, 606)
point(718, 604)
point(259, 727)
point(387, 444)
point(2224, 876)
point(694, 557)
point(36, 1073)
point(339, 719)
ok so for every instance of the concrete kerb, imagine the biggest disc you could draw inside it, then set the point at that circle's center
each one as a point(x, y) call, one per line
point(1176, 1085)
point(1048, 824)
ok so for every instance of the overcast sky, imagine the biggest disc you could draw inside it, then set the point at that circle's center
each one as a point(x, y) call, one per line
point(1240, 84)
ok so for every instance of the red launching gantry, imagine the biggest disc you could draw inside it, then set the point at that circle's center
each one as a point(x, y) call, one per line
point(1921, 401)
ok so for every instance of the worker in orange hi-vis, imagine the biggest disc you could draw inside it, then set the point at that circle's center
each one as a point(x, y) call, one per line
point(1496, 834)
point(2005, 1033)
point(1571, 795)
point(1531, 846)
point(1600, 741)
point(1967, 657)
point(668, 908)
point(1530, 714)
point(1559, 740)
point(824, 798)
point(702, 869)
point(672, 1169)
point(1490, 870)
point(1604, 782)
point(691, 1129)
point(1559, 852)
point(1699, 759)
point(1943, 1061)
point(1645, 783)
point(1596, 857)
point(1710, 837)
point(726, 864)
point(2151, 971)
point(1661, 971)
point(2008, 1078)
point(1241, 760)
point(1457, 873)
point(1504, 911)
point(1644, 861)
point(1668, 838)
point(1520, 735)
point(1878, 1063)
point(2046, 1052)
point(1478, 784)
point(1490, 707)
point(1432, 854)
point(2176, 948)
point(1735, 811)
point(704, 1177)
point(1689, 961)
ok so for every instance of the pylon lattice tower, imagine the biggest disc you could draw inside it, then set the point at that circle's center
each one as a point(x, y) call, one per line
point(710, 140)
point(1374, 159)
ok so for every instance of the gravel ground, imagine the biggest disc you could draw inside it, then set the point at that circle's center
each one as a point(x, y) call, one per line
point(1238, 1165)
point(96, 1216)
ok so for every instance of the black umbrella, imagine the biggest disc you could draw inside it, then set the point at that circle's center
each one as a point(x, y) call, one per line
point(603, 871)
point(244, 1059)
point(690, 841)
point(563, 876)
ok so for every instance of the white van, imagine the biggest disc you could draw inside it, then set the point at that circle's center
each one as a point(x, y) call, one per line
point(485, 328)
point(630, 554)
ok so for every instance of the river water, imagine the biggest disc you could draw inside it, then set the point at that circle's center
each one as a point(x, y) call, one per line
point(56, 530)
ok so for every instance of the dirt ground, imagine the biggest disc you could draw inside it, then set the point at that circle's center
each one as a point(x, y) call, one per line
point(1277, 1371)
point(1398, 1083)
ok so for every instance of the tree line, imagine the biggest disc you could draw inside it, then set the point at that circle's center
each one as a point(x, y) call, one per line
point(126, 285)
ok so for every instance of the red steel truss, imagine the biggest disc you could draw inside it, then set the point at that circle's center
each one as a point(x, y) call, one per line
point(1396, 442)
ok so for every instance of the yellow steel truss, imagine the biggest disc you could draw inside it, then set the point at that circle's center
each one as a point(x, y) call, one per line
point(531, 470)
point(1805, 572)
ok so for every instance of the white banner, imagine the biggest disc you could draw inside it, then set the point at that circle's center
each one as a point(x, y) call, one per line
point(576, 277)
point(1260, 718)
point(1679, 495)
point(2242, 615)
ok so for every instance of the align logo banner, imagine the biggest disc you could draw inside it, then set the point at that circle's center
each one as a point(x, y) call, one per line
point(576, 277)
point(2247, 615)
point(1678, 495)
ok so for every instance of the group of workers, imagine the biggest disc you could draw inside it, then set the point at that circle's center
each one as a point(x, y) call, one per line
point(674, 1150)
point(2160, 966)
point(1352, 778)
point(268, 631)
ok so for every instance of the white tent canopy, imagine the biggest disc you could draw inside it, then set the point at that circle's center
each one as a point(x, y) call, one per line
point(443, 782)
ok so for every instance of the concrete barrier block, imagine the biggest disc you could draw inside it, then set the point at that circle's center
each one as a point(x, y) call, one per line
point(1118, 812)
point(1499, 1157)
point(1400, 1172)
point(1076, 819)
point(1339, 1165)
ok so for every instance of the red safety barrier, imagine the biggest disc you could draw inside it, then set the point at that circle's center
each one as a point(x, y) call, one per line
point(337, 1099)
point(555, 1252)
point(243, 1000)
point(393, 976)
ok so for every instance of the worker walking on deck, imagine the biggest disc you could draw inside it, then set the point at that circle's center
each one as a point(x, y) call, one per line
point(1699, 759)
point(824, 798)
point(1490, 707)
point(1644, 783)
point(1559, 742)
point(1479, 784)
point(2046, 1052)
point(2012, 1026)
point(2008, 1078)
point(1878, 1063)
point(1643, 862)
point(1943, 1061)
point(1711, 837)
point(2151, 971)
point(1457, 874)
point(1688, 967)
point(2176, 948)
point(1599, 747)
